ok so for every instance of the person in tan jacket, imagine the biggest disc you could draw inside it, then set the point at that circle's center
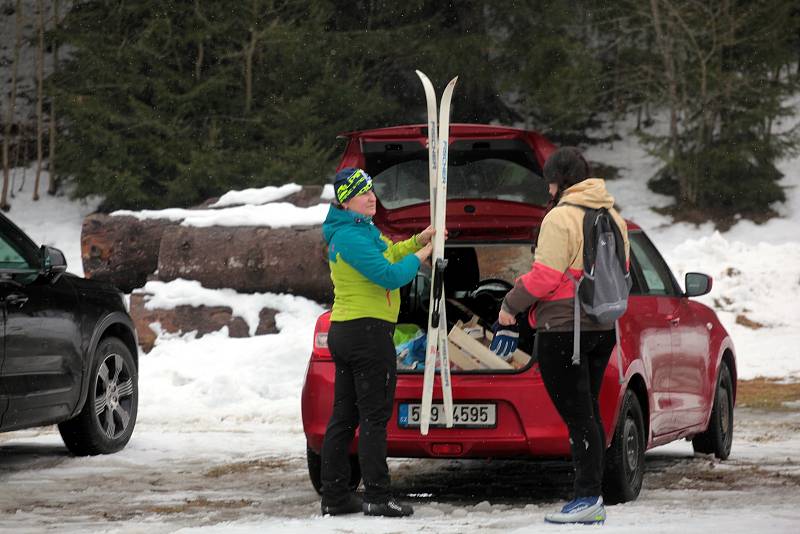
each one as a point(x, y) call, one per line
point(547, 293)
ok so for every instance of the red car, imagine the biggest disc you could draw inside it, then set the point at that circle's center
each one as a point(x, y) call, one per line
point(679, 363)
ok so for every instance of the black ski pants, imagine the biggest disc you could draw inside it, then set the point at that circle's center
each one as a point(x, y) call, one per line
point(366, 375)
point(574, 390)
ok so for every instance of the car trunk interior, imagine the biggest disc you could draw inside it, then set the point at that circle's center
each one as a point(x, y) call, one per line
point(477, 277)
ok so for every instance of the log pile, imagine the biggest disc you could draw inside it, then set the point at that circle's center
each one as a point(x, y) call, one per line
point(128, 252)
point(184, 319)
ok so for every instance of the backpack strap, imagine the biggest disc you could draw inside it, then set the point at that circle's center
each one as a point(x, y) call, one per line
point(619, 353)
point(576, 311)
point(588, 225)
point(576, 325)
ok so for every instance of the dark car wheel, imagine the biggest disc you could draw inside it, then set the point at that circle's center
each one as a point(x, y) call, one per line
point(624, 465)
point(718, 437)
point(106, 422)
point(315, 470)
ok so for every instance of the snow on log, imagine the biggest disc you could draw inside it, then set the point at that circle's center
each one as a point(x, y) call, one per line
point(249, 259)
point(121, 250)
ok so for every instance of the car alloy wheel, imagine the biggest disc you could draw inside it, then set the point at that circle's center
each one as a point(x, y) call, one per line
point(113, 395)
point(105, 423)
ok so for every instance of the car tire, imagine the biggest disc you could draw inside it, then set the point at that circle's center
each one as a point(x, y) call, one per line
point(718, 437)
point(315, 470)
point(106, 422)
point(624, 459)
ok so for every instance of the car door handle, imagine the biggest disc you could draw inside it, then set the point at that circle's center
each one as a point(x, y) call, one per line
point(16, 299)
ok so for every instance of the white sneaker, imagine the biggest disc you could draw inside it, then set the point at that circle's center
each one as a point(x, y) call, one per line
point(585, 510)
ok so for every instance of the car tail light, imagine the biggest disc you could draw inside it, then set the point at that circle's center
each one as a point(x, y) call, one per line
point(320, 350)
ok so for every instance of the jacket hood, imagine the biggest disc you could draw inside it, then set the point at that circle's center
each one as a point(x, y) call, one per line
point(590, 193)
point(340, 218)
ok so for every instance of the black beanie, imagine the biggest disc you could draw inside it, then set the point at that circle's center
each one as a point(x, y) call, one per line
point(566, 167)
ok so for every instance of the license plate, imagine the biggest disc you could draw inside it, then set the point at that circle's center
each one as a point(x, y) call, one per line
point(464, 415)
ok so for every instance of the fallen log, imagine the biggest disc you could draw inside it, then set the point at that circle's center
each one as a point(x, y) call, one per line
point(248, 259)
point(307, 197)
point(184, 319)
point(121, 250)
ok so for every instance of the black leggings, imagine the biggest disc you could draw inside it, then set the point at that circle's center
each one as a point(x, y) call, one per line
point(366, 374)
point(574, 390)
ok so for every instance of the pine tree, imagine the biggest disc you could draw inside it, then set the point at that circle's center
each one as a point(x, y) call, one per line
point(169, 104)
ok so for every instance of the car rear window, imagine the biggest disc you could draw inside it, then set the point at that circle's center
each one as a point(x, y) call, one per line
point(472, 174)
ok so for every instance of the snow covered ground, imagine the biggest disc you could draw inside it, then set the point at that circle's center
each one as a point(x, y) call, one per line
point(219, 445)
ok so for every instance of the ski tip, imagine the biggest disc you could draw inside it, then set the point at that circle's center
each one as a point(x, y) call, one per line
point(453, 81)
point(421, 74)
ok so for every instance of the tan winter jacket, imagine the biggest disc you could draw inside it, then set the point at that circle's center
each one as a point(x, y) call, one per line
point(546, 289)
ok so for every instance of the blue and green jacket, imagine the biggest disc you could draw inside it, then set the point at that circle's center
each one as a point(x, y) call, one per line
point(367, 268)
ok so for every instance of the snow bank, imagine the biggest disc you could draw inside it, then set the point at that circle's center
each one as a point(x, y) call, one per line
point(756, 293)
point(215, 380)
point(168, 295)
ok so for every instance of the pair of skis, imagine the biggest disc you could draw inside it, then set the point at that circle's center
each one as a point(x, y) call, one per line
point(436, 350)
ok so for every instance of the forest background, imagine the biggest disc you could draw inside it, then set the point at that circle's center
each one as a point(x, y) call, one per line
point(162, 103)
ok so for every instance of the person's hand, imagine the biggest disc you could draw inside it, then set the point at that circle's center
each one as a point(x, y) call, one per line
point(425, 252)
point(505, 341)
point(425, 236)
point(506, 319)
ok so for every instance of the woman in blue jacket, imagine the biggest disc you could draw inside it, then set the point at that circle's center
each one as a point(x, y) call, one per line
point(367, 270)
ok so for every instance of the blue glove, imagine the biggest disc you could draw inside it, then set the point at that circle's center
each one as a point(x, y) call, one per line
point(505, 341)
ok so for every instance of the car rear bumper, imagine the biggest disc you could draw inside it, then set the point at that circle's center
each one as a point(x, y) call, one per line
point(527, 423)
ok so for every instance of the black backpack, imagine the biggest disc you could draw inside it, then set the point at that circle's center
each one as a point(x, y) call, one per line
point(603, 290)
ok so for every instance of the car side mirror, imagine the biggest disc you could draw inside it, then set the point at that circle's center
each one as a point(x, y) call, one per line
point(697, 284)
point(54, 264)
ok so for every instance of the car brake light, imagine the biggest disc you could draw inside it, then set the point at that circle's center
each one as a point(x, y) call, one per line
point(321, 351)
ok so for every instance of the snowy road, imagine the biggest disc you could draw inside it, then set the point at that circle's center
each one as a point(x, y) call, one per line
point(242, 480)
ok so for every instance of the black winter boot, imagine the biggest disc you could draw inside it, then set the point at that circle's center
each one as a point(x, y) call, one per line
point(389, 509)
point(352, 505)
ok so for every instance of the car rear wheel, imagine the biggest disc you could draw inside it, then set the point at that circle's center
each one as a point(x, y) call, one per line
point(718, 437)
point(315, 470)
point(106, 422)
point(624, 464)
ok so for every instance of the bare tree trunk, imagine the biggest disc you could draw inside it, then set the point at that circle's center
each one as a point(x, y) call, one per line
point(10, 111)
point(21, 142)
point(51, 151)
point(248, 71)
point(667, 53)
point(39, 97)
point(198, 64)
point(249, 51)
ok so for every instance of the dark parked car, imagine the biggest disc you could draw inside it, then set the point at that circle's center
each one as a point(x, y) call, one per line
point(68, 353)
point(679, 362)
